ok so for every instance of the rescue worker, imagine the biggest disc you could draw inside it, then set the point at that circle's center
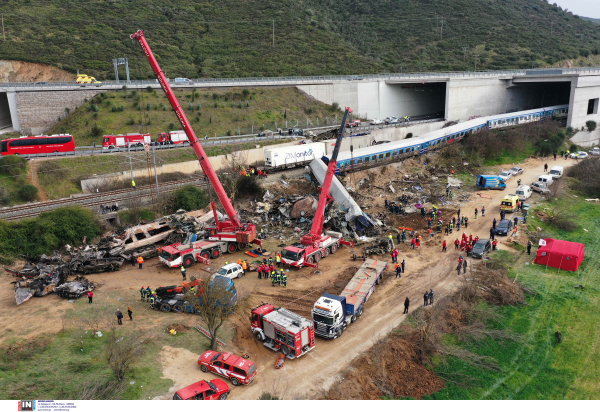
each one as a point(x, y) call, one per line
point(402, 264)
point(398, 272)
point(130, 313)
point(456, 243)
point(183, 272)
point(132, 260)
point(270, 260)
point(142, 294)
point(465, 266)
point(283, 278)
point(451, 227)
point(425, 298)
point(466, 222)
point(152, 300)
point(519, 182)
point(529, 247)
point(494, 223)
point(140, 261)
point(458, 269)
point(482, 211)
point(422, 212)
point(399, 237)
point(259, 270)
point(273, 278)
point(403, 236)
point(148, 293)
point(492, 233)
point(431, 297)
point(244, 267)
point(90, 295)
point(406, 304)
point(516, 220)
point(119, 317)
point(494, 244)
point(429, 223)
point(476, 211)
point(271, 267)
point(385, 202)
point(444, 245)
point(239, 262)
point(278, 259)
point(390, 237)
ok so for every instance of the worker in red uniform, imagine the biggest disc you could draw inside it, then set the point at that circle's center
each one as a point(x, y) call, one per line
point(90, 295)
point(456, 243)
point(444, 246)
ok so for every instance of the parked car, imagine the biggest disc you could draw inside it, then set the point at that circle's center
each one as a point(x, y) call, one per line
point(482, 247)
point(505, 175)
point(376, 121)
point(546, 179)
point(231, 271)
point(504, 227)
point(516, 171)
point(540, 187)
point(235, 368)
point(203, 391)
point(578, 155)
point(595, 151)
point(524, 192)
point(392, 120)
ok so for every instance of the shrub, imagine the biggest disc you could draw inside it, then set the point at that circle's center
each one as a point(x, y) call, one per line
point(12, 165)
point(591, 125)
point(587, 172)
point(28, 193)
point(171, 127)
point(245, 93)
point(148, 106)
point(96, 131)
point(149, 89)
point(573, 148)
point(215, 96)
point(4, 196)
point(335, 107)
point(189, 198)
point(114, 108)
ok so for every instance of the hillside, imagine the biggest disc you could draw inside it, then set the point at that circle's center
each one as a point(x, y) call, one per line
point(211, 112)
point(312, 37)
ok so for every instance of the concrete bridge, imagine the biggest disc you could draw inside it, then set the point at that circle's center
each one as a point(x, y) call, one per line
point(33, 108)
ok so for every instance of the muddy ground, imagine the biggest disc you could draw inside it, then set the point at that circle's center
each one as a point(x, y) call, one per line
point(313, 374)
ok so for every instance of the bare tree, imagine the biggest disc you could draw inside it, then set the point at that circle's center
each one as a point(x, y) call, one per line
point(123, 351)
point(232, 178)
point(214, 302)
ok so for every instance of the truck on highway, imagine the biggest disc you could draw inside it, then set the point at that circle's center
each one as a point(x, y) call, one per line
point(332, 314)
point(292, 156)
point(190, 252)
point(281, 329)
point(176, 137)
point(127, 140)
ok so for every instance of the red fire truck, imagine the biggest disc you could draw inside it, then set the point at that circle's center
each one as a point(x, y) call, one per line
point(177, 137)
point(281, 329)
point(187, 254)
point(127, 140)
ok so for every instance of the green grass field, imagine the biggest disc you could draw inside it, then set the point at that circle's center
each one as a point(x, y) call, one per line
point(538, 367)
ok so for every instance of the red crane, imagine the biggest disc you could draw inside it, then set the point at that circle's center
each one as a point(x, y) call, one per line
point(314, 245)
point(233, 231)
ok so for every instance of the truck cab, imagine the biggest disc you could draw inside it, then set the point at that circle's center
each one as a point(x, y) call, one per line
point(329, 315)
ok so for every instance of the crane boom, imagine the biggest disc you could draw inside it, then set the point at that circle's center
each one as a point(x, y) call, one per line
point(205, 164)
point(316, 230)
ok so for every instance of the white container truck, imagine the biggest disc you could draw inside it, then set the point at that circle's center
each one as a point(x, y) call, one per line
point(292, 156)
point(332, 314)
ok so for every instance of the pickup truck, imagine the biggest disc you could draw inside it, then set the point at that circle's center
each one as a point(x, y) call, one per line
point(353, 123)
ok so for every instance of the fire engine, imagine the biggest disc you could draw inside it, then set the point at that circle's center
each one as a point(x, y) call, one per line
point(281, 329)
point(130, 139)
point(177, 137)
point(236, 233)
point(314, 245)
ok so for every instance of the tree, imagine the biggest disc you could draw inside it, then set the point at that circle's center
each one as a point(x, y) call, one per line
point(189, 198)
point(591, 125)
point(123, 351)
point(214, 303)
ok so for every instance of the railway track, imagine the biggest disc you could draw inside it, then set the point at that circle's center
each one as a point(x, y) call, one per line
point(96, 199)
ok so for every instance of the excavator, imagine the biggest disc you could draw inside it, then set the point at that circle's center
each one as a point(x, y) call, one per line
point(315, 245)
point(237, 234)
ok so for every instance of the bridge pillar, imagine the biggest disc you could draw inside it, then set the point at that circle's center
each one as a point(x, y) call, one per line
point(14, 113)
point(584, 105)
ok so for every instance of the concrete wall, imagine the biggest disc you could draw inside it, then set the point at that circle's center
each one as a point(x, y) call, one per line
point(38, 111)
point(414, 99)
point(583, 88)
point(472, 97)
point(587, 139)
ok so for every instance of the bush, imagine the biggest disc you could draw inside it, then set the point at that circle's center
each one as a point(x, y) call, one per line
point(28, 193)
point(96, 131)
point(335, 107)
point(4, 196)
point(573, 148)
point(12, 165)
point(586, 172)
point(189, 198)
point(591, 125)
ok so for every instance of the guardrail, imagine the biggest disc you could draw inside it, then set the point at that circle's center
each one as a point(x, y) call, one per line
point(111, 84)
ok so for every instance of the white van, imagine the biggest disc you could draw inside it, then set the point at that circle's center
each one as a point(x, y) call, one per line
point(546, 179)
point(556, 172)
point(524, 192)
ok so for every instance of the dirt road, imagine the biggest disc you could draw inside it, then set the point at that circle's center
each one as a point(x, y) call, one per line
point(426, 268)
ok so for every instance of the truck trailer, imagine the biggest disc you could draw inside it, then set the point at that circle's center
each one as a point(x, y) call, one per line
point(292, 156)
point(281, 329)
point(332, 314)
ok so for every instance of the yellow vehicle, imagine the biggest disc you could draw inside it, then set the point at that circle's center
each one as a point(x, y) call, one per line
point(85, 79)
point(509, 203)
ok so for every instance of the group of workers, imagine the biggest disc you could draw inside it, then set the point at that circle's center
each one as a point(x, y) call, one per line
point(251, 171)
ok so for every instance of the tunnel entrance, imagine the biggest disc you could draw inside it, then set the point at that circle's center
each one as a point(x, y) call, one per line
point(5, 118)
point(534, 95)
point(417, 100)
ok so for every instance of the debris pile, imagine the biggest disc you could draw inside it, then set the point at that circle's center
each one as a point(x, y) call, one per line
point(40, 280)
point(75, 288)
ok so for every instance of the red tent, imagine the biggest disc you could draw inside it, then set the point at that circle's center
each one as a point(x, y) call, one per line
point(560, 254)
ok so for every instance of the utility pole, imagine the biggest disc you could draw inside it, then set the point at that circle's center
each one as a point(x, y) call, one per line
point(476, 56)
point(465, 49)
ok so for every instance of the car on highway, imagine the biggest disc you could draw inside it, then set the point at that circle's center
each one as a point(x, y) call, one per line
point(504, 227)
point(482, 247)
point(505, 175)
point(578, 155)
point(516, 171)
point(231, 271)
point(235, 368)
point(539, 187)
point(203, 391)
point(392, 120)
point(376, 121)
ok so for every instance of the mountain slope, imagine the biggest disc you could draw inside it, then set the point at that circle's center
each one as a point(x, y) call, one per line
point(229, 38)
